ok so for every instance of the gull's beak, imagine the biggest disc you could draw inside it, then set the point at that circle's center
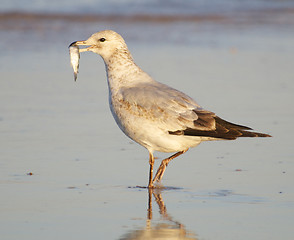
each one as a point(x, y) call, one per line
point(82, 43)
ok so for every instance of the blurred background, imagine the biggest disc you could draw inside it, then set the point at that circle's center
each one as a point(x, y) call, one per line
point(67, 171)
point(160, 21)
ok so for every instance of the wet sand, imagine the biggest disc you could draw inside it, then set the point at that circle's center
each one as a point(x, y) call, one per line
point(67, 172)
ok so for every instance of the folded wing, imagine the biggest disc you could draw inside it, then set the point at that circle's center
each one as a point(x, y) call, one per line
point(181, 115)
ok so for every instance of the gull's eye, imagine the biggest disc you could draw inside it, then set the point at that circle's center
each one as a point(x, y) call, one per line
point(102, 39)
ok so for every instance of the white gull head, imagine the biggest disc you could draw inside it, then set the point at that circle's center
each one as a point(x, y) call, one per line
point(105, 43)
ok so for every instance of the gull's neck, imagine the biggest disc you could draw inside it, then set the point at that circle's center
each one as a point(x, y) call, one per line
point(122, 71)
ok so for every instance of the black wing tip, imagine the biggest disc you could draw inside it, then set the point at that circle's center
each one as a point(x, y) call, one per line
point(261, 134)
point(211, 126)
point(225, 123)
point(230, 134)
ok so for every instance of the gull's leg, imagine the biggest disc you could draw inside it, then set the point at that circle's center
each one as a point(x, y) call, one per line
point(164, 163)
point(151, 163)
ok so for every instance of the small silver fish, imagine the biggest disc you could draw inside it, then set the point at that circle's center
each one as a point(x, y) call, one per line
point(74, 53)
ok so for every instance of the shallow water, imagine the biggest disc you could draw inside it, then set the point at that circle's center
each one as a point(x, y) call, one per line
point(67, 172)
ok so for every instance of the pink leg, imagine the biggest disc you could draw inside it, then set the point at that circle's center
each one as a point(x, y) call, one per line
point(163, 165)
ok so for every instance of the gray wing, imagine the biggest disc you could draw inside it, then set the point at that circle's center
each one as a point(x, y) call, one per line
point(179, 114)
point(170, 107)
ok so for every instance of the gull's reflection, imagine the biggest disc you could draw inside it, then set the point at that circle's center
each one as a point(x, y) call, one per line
point(166, 228)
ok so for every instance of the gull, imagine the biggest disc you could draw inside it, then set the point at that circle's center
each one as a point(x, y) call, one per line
point(156, 116)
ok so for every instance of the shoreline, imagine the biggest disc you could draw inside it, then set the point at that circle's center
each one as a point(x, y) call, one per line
point(265, 16)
